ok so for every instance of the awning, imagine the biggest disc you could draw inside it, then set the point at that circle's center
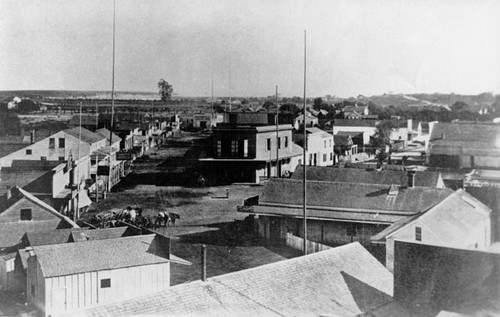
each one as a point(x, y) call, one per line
point(83, 199)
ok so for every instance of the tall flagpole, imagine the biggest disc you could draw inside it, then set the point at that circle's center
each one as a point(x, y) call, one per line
point(277, 135)
point(76, 215)
point(112, 97)
point(304, 152)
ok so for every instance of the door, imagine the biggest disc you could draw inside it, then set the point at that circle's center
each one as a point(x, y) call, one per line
point(59, 299)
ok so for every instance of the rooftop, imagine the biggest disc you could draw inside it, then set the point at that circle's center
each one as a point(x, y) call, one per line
point(356, 175)
point(87, 136)
point(342, 281)
point(97, 255)
point(352, 196)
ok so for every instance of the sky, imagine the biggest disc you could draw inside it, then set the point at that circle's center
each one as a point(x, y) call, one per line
point(248, 47)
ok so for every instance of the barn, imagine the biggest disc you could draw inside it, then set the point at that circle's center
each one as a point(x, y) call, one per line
point(72, 276)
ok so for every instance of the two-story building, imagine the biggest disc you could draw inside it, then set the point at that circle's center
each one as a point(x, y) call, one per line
point(310, 121)
point(249, 153)
point(320, 146)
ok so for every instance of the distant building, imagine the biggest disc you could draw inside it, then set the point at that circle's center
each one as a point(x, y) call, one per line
point(248, 153)
point(465, 145)
point(355, 127)
point(310, 121)
point(64, 278)
point(343, 281)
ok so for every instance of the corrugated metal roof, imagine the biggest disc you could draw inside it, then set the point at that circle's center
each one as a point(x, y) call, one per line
point(343, 281)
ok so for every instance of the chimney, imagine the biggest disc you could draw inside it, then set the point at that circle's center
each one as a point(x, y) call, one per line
point(411, 179)
point(203, 262)
point(32, 136)
point(9, 192)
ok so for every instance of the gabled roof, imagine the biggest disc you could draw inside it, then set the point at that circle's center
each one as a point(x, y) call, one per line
point(351, 133)
point(87, 136)
point(100, 255)
point(351, 196)
point(450, 221)
point(356, 175)
point(51, 237)
point(19, 193)
point(11, 233)
point(105, 133)
point(342, 281)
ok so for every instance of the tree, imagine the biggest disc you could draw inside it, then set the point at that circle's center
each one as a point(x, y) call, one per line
point(166, 90)
point(318, 102)
point(381, 139)
point(290, 107)
point(459, 106)
point(27, 105)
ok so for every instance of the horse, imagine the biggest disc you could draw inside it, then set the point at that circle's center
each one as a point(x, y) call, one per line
point(172, 216)
point(162, 217)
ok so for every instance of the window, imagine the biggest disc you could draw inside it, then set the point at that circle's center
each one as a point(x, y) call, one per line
point(52, 143)
point(106, 283)
point(418, 233)
point(29, 151)
point(300, 162)
point(324, 157)
point(61, 158)
point(286, 142)
point(245, 148)
point(9, 265)
point(26, 214)
point(268, 144)
point(234, 147)
point(324, 142)
point(279, 143)
point(219, 147)
point(330, 142)
point(310, 159)
point(33, 290)
point(62, 143)
point(331, 156)
point(43, 158)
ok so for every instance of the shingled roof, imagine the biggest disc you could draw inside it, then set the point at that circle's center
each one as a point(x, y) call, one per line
point(342, 281)
point(99, 255)
point(356, 175)
point(50, 237)
point(348, 201)
point(87, 136)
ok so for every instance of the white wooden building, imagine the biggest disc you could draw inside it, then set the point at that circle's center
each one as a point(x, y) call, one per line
point(65, 278)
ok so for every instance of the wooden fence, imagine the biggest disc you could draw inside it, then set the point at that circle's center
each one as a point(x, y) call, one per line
point(298, 244)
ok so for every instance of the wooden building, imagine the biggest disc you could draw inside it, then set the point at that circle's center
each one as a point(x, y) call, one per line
point(73, 276)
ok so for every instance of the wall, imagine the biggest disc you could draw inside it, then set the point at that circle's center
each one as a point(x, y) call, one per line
point(262, 153)
point(35, 290)
point(478, 237)
point(316, 145)
point(440, 278)
point(84, 290)
point(12, 214)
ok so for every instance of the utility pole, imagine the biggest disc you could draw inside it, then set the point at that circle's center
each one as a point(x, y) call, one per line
point(304, 153)
point(112, 98)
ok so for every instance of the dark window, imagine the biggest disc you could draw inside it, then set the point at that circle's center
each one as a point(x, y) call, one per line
point(29, 152)
point(52, 143)
point(286, 142)
point(61, 158)
point(418, 233)
point(234, 147)
point(26, 214)
point(279, 143)
point(331, 156)
point(33, 290)
point(324, 157)
point(268, 145)
point(219, 148)
point(105, 283)
point(43, 158)
point(61, 142)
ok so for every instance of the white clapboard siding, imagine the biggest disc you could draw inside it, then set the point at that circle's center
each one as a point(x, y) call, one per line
point(84, 290)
